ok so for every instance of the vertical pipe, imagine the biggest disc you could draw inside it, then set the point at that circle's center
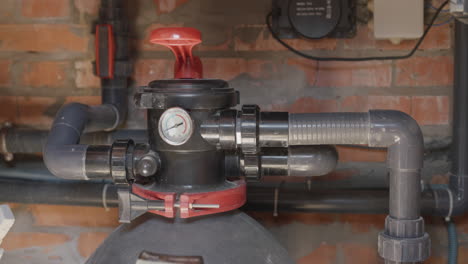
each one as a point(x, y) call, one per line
point(115, 90)
point(459, 171)
point(405, 195)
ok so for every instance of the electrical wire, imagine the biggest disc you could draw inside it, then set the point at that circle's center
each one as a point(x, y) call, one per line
point(431, 6)
point(317, 58)
point(448, 17)
point(446, 22)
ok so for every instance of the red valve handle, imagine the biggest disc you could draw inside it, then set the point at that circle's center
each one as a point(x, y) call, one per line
point(181, 41)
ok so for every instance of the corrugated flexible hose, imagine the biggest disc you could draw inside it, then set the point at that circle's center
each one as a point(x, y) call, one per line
point(452, 243)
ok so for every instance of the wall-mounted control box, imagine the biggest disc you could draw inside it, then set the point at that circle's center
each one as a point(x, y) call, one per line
point(314, 19)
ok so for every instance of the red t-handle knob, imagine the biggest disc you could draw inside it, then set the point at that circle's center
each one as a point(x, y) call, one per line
point(181, 41)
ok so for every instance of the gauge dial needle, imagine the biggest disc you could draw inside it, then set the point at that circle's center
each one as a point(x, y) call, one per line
point(174, 126)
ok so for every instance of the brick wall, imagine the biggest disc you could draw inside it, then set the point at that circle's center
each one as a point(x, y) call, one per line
point(46, 54)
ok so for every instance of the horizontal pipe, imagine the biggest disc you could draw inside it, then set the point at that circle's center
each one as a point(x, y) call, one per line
point(59, 192)
point(298, 161)
point(259, 198)
point(28, 141)
point(453, 200)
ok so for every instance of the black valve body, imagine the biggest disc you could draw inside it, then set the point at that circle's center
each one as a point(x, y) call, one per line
point(196, 163)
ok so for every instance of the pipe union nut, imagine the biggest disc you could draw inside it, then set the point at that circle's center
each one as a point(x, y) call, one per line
point(404, 228)
point(404, 249)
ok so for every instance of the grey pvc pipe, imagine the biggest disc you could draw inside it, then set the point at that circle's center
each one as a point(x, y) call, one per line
point(63, 155)
point(392, 129)
point(453, 200)
point(18, 140)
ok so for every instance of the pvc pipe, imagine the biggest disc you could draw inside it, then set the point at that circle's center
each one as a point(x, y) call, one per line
point(63, 155)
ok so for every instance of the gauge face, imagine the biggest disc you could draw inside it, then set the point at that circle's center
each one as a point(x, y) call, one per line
point(175, 126)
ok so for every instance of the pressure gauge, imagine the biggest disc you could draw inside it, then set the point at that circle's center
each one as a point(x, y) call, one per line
point(175, 126)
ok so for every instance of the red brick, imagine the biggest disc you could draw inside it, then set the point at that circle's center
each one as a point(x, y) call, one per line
point(85, 76)
point(309, 68)
point(5, 74)
point(431, 110)
point(229, 68)
point(8, 109)
point(440, 179)
point(226, 68)
point(269, 220)
point(361, 223)
point(424, 71)
point(59, 215)
point(167, 6)
point(365, 103)
point(262, 69)
point(462, 254)
point(14, 206)
point(90, 7)
point(462, 223)
point(88, 242)
point(26, 110)
point(258, 38)
point(360, 253)
point(32, 111)
point(150, 70)
point(15, 241)
point(312, 105)
point(353, 74)
point(349, 154)
point(439, 38)
point(324, 254)
point(7, 11)
point(89, 100)
point(45, 8)
point(44, 38)
point(436, 260)
point(45, 74)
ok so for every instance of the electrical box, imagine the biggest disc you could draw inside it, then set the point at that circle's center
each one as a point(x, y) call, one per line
point(398, 19)
point(314, 19)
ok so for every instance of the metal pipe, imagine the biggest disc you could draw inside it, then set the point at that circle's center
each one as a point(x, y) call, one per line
point(453, 200)
point(63, 155)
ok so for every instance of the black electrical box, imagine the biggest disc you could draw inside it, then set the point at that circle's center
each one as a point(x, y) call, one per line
point(314, 19)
